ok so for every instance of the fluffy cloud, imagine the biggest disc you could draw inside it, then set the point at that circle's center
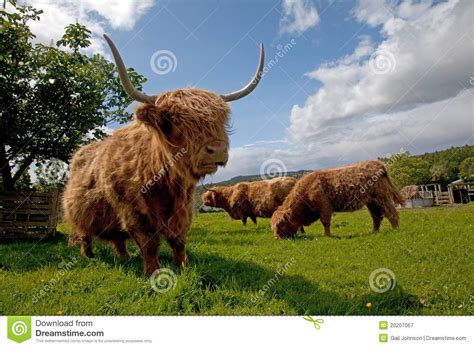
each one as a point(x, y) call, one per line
point(428, 127)
point(411, 91)
point(96, 15)
point(298, 16)
point(427, 56)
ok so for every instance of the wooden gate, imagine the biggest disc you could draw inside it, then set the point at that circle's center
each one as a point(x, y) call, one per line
point(28, 215)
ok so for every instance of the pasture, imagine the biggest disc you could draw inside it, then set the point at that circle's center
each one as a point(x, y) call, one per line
point(240, 270)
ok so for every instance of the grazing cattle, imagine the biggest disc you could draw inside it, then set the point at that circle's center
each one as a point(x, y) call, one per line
point(318, 194)
point(139, 182)
point(250, 199)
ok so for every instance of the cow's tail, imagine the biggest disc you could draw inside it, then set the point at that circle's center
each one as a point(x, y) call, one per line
point(394, 191)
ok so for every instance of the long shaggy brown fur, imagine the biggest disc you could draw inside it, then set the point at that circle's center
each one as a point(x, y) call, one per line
point(250, 199)
point(139, 182)
point(318, 194)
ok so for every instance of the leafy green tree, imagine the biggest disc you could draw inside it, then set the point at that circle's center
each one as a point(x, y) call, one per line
point(466, 169)
point(407, 170)
point(450, 159)
point(439, 173)
point(50, 175)
point(52, 97)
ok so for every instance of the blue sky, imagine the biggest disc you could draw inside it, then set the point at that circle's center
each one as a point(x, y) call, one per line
point(216, 48)
point(360, 79)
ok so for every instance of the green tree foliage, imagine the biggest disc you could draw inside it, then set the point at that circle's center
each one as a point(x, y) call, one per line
point(52, 96)
point(439, 173)
point(407, 170)
point(466, 169)
point(50, 175)
point(440, 167)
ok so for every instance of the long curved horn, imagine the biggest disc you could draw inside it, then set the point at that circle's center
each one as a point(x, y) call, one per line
point(251, 86)
point(132, 92)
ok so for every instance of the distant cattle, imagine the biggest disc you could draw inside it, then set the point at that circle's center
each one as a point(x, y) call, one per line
point(250, 199)
point(318, 194)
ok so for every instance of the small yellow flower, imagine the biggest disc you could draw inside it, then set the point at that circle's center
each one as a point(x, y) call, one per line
point(369, 305)
point(59, 312)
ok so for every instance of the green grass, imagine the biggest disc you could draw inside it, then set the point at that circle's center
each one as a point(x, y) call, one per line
point(431, 256)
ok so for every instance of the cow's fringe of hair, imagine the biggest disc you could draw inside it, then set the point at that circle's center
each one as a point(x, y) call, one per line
point(186, 103)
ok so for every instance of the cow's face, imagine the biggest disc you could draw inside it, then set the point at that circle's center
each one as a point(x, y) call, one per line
point(193, 122)
point(188, 120)
point(209, 198)
point(282, 226)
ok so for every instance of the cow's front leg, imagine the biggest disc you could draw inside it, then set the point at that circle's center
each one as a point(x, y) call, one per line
point(177, 245)
point(148, 248)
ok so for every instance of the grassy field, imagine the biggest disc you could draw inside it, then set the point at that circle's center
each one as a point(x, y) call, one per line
point(238, 270)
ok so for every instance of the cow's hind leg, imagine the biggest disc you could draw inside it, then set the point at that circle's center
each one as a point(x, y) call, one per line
point(177, 245)
point(377, 216)
point(325, 218)
point(391, 213)
point(302, 230)
point(86, 246)
point(253, 218)
point(120, 247)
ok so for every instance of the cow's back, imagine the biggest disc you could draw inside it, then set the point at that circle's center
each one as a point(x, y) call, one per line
point(347, 188)
point(267, 195)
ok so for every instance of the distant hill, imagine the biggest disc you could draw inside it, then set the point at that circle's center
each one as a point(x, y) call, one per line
point(257, 177)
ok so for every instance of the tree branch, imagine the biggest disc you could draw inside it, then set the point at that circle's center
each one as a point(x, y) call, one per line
point(26, 163)
point(5, 167)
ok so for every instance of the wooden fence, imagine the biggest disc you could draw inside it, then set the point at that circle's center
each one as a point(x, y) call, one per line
point(28, 215)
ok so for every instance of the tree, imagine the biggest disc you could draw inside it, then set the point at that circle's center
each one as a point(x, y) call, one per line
point(439, 173)
point(52, 97)
point(51, 174)
point(466, 169)
point(406, 170)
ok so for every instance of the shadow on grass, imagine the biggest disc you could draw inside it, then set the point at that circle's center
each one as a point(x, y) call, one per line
point(303, 296)
point(225, 275)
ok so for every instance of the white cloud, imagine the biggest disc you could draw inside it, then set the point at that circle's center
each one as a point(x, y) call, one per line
point(413, 90)
point(421, 60)
point(425, 128)
point(298, 16)
point(96, 15)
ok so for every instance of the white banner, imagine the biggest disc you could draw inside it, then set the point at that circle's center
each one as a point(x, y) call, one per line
point(350, 331)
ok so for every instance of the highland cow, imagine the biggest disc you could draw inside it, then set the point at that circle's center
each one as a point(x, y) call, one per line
point(139, 182)
point(320, 193)
point(250, 199)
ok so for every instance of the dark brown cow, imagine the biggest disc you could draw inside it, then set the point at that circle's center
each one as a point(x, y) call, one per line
point(139, 183)
point(318, 194)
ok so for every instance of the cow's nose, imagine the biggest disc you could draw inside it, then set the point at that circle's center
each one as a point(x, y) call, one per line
point(216, 148)
point(218, 152)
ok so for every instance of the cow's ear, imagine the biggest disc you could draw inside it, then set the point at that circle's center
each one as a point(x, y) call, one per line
point(153, 116)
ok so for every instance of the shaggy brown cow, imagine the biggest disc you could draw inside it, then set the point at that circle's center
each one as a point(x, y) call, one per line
point(250, 199)
point(139, 183)
point(318, 194)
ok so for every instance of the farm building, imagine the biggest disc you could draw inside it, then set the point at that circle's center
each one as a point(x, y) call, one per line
point(461, 191)
point(429, 195)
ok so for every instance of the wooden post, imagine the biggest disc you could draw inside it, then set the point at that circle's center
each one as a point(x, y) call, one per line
point(53, 212)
